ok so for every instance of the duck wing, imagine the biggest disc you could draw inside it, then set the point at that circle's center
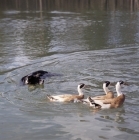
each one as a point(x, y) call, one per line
point(101, 103)
point(102, 97)
point(62, 98)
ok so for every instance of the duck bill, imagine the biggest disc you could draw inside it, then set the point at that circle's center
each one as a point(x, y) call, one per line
point(125, 83)
point(86, 86)
point(112, 84)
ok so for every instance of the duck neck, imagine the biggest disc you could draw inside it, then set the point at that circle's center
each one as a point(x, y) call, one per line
point(106, 90)
point(118, 90)
point(80, 91)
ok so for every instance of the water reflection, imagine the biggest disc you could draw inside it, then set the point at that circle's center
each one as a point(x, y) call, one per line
point(117, 115)
point(57, 31)
point(31, 87)
point(76, 5)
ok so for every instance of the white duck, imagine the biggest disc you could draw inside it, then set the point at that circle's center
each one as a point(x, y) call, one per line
point(110, 103)
point(109, 94)
point(68, 97)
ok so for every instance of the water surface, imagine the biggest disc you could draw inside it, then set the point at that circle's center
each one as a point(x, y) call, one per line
point(85, 44)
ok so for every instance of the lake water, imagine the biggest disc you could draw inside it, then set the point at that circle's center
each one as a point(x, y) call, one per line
point(84, 41)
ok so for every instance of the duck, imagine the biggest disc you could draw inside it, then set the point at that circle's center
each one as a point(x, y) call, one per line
point(109, 94)
point(110, 103)
point(34, 78)
point(68, 97)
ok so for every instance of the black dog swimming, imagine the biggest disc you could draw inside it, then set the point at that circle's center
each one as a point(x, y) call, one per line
point(36, 77)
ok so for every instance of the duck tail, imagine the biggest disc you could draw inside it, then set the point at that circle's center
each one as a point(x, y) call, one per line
point(49, 97)
point(93, 104)
point(90, 100)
